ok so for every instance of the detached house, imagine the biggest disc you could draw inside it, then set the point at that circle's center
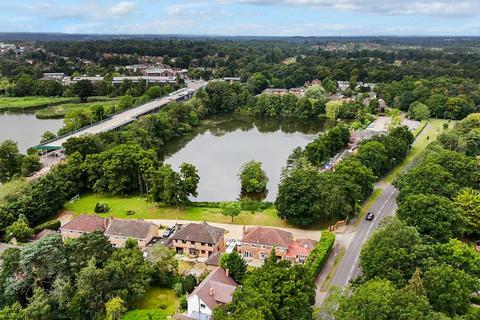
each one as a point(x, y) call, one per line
point(258, 242)
point(120, 230)
point(82, 224)
point(217, 289)
point(198, 239)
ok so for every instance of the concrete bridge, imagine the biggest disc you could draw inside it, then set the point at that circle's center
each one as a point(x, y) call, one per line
point(125, 117)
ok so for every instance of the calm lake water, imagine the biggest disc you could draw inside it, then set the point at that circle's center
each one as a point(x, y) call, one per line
point(25, 128)
point(219, 147)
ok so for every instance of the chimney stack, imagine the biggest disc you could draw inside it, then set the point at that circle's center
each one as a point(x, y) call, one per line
point(244, 230)
point(227, 272)
point(211, 292)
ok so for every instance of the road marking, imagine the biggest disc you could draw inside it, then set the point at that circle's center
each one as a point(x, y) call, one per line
point(366, 236)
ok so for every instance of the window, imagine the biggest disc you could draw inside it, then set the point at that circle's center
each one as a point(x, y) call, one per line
point(203, 251)
point(254, 245)
point(183, 241)
point(210, 245)
point(192, 242)
point(247, 254)
point(202, 243)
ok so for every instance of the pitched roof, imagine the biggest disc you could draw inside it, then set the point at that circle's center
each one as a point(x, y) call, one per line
point(44, 233)
point(85, 223)
point(216, 289)
point(199, 232)
point(301, 247)
point(129, 228)
point(214, 259)
point(267, 236)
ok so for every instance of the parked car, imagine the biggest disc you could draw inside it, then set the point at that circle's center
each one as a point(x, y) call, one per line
point(168, 232)
point(231, 245)
point(369, 216)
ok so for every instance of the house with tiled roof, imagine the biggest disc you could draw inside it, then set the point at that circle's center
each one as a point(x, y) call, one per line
point(215, 290)
point(85, 223)
point(119, 231)
point(198, 239)
point(257, 244)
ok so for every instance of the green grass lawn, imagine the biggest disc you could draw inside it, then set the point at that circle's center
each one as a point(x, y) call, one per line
point(30, 103)
point(59, 111)
point(148, 210)
point(159, 298)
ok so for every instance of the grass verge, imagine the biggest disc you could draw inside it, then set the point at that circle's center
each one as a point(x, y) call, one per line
point(148, 210)
point(338, 258)
point(368, 204)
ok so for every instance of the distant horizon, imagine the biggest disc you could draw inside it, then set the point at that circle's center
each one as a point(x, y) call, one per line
point(282, 18)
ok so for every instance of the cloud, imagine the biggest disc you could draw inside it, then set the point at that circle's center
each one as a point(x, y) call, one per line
point(123, 8)
point(390, 7)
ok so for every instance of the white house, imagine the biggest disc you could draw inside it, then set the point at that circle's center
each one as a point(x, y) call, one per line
point(217, 289)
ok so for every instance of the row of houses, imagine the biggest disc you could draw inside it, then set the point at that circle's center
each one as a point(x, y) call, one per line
point(194, 239)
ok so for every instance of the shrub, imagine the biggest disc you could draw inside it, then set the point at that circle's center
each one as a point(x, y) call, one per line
point(52, 225)
point(101, 207)
point(130, 212)
point(319, 255)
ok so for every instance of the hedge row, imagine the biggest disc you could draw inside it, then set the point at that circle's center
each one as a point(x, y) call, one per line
point(52, 225)
point(319, 255)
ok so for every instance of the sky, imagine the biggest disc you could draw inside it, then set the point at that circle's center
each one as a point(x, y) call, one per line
point(245, 17)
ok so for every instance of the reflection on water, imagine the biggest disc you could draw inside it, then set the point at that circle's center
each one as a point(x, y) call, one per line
point(221, 145)
point(25, 128)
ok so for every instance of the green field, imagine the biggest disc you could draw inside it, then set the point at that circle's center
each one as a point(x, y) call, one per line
point(148, 210)
point(31, 103)
point(59, 111)
point(159, 298)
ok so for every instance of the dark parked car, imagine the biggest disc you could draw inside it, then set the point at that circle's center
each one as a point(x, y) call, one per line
point(370, 216)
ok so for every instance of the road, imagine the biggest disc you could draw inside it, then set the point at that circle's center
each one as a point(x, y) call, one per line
point(349, 267)
point(130, 115)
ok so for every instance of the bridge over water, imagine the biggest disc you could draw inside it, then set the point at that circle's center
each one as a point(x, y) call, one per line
point(125, 117)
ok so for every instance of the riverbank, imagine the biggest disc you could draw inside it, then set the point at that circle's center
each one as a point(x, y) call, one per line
point(59, 111)
point(31, 103)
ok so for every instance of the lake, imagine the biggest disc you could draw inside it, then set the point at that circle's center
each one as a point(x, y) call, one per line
point(221, 145)
point(25, 128)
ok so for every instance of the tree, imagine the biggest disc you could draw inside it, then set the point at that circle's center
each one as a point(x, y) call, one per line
point(459, 255)
point(83, 89)
point(257, 83)
point(373, 155)
point(84, 144)
point(115, 309)
point(297, 199)
point(418, 111)
point(10, 160)
point(97, 112)
point(434, 216)
point(38, 306)
point(468, 200)
point(449, 289)
point(47, 135)
point(126, 102)
point(378, 299)
point(359, 173)
point(190, 179)
point(235, 264)
point(231, 209)
point(20, 229)
point(30, 164)
point(393, 252)
point(90, 245)
point(252, 178)
point(276, 290)
point(165, 264)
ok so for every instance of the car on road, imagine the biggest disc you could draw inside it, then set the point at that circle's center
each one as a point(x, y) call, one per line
point(168, 232)
point(369, 216)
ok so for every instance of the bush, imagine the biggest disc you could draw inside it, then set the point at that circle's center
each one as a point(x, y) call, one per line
point(101, 207)
point(319, 255)
point(130, 212)
point(52, 225)
point(183, 303)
